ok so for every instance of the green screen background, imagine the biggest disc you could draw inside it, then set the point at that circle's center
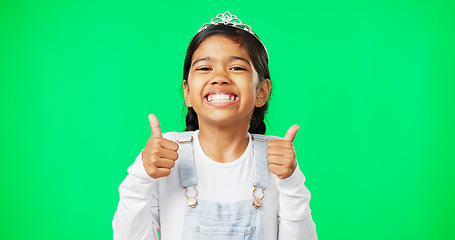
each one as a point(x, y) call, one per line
point(371, 84)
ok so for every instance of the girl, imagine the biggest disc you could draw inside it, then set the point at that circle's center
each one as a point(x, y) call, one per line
point(221, 179)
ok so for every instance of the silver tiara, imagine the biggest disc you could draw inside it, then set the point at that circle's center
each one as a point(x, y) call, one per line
point(227, 19)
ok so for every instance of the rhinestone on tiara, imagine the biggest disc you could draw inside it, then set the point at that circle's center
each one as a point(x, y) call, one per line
point(227, 19)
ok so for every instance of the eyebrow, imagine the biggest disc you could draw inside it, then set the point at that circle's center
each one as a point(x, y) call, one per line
point(240, 58)
point(210, 59)
point(200, 60)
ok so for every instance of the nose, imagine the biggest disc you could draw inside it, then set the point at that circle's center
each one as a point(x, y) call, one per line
point(220, 78)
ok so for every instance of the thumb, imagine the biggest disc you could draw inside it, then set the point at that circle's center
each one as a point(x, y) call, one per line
point(292, 131)
point(155, 126)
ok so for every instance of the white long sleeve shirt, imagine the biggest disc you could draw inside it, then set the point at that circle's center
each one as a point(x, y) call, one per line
point(148, 206)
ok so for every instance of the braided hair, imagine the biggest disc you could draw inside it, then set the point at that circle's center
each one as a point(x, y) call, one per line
point(257, 53)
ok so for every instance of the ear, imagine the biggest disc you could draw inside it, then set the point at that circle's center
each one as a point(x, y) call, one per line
point(186, 93)
point(263, 93)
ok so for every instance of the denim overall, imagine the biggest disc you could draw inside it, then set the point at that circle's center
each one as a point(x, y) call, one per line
point(221, 221)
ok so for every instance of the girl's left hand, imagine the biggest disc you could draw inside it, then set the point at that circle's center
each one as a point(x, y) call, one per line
point(281, 154)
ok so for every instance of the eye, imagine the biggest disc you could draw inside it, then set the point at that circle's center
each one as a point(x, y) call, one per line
point(236, 68)
point(203, 69)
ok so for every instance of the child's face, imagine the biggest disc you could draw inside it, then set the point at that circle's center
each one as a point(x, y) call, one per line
point(223, 84)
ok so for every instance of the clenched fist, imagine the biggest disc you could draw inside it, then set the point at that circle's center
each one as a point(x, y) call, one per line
point(281, 154)
point(160, 154)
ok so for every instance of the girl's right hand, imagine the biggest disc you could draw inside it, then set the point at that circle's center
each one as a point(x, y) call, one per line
point(160, 154)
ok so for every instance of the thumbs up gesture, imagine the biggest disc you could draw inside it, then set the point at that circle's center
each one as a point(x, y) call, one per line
point(160, 154)
point(281, 154)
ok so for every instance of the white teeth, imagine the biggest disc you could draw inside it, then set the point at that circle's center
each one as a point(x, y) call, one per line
point(220, 98)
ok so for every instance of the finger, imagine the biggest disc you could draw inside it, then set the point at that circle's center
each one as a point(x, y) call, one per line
point(168, 144)
point(159, 172)
point(155, 126)
point(281, 172)
point(276, 169)
point(281, 151)
point(292, 131)
point(165, 163)
point(280, 143)
point(169, 154)
point(278, 160)
point(162, 143)
point(281, 161)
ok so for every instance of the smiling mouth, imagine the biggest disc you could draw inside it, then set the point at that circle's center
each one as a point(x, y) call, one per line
point(221, 97)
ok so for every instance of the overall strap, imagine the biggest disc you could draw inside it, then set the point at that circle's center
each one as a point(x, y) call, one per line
point(188, 167)
point(186, 156)
point(261, 162)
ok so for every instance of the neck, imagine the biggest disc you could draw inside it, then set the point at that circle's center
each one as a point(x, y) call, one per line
point(223, 143)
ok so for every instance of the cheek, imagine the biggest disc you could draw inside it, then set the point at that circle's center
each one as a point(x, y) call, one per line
point(254, 86)
point(194, 89)
point(250, 93)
